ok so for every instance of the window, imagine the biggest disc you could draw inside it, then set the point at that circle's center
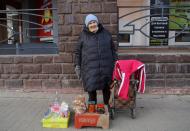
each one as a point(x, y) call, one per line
point(181, 27)
point(124, 33)
point(30, 27)
point(124, 38)
point(130, 23)
point(154, 22)
point(183, 37)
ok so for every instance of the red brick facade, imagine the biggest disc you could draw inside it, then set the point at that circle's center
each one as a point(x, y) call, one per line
point(43, 72)
point(57, 71)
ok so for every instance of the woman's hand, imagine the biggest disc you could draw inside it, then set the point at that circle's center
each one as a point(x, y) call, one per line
point(78, 71)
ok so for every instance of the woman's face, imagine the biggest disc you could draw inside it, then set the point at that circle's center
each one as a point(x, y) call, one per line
point(93, 26)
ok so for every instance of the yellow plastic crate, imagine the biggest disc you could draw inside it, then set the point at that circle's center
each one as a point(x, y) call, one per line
point(55, 122)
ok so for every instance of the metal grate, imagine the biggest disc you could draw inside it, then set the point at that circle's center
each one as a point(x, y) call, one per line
point(27, 33)
point(160, 18)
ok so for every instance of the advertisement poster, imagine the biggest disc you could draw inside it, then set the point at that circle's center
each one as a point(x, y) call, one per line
point(46, 33)
point(181, 9)
point(159, 26)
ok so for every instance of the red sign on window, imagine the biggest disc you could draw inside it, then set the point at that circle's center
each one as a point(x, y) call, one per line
point(46, 32)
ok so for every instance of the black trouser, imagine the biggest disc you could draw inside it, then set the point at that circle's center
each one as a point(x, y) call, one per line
point(106, 95)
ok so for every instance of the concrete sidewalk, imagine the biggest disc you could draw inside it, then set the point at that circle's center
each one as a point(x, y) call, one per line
point(21, 111)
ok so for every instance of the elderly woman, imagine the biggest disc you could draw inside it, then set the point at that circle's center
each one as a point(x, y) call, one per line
point(95, 55)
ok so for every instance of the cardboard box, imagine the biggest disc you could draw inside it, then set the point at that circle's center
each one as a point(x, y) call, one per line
point(55, 122)
point(92, 119)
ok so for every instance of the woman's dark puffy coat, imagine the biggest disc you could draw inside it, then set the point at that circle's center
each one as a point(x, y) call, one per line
point(95, 54)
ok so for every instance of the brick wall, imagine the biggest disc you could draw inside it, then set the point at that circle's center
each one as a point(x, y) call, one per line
point(166, 72)
point(57, 71)
point(37, 72)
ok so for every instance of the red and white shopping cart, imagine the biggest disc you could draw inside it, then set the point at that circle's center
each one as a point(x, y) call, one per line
point(128, 78)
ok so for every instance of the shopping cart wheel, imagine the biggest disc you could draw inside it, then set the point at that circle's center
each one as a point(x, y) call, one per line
point(133, 113)
point(112, 113)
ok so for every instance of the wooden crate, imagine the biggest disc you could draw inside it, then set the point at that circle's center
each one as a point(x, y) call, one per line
point(92, 119)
